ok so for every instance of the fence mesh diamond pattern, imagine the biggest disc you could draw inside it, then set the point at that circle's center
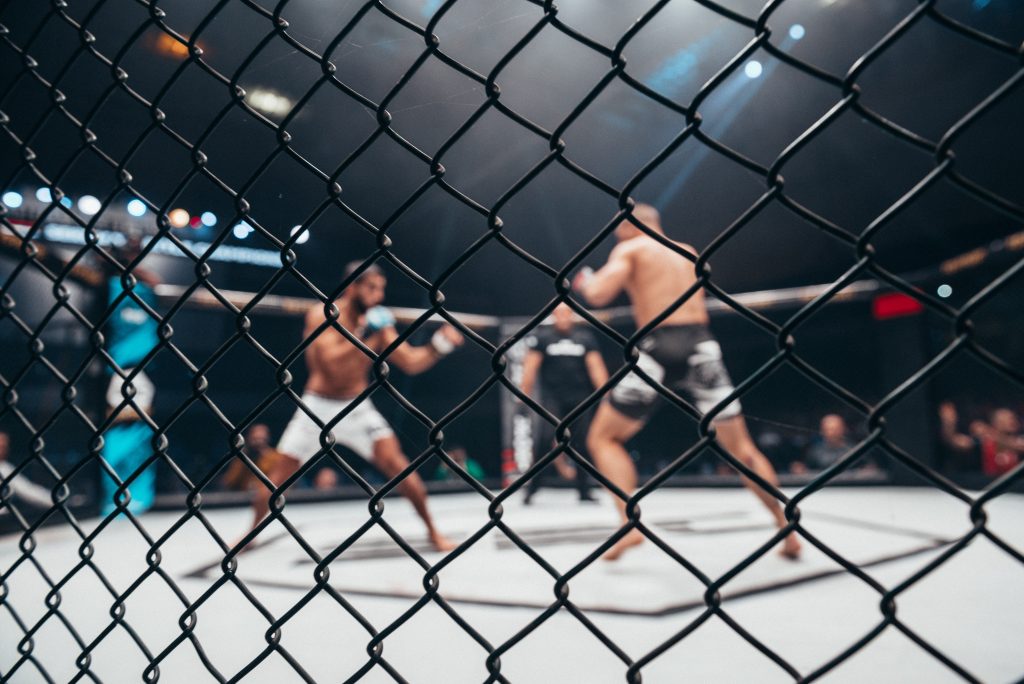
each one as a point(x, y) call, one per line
point(86, 29)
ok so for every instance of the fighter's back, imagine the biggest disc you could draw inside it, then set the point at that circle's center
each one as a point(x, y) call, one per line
point(659, 276)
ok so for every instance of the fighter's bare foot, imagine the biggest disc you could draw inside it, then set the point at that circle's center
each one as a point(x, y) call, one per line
point(790, 548)
point(632, 538)
point(441, 543)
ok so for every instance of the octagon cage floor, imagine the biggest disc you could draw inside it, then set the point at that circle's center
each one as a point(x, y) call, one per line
point(971, 608)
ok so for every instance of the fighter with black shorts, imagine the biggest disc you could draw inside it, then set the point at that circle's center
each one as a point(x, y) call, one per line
point(679, 353)
point(684, 358)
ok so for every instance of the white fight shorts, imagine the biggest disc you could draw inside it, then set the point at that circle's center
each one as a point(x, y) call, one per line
point(358, 430)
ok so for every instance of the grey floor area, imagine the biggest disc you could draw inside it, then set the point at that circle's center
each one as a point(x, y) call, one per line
point(971, 608)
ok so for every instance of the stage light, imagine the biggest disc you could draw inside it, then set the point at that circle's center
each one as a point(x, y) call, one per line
point(269, 102)
point(209, 219)
point(302, 238)
point(796, 32)
point(170, 46)
point(13, 199)
point(178, 217)
point(66, 201)
point(242, 230)
point(89, 205)
point(136, 207)
point(753, 69)
point(944, 291)
point(195, 222)
point(43, 195)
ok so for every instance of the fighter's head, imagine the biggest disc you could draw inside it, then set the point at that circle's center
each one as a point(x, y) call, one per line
point(563, 317)
point(368, 289)
point(645, 214)
point(5, 445)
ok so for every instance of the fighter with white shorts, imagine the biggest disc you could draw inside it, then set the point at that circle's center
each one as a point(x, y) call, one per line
point(358, 430)
point(338, 379)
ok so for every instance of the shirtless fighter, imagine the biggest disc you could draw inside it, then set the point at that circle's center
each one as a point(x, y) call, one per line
point(338, 372)
point(680, 353)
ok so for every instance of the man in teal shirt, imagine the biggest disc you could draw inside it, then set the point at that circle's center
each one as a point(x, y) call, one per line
point(131, 334)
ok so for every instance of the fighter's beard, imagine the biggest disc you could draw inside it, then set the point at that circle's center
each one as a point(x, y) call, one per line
point(359, 307)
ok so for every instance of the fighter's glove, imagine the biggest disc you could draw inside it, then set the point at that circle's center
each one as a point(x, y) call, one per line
point(441, 344)
point(582, 278)
point(378, 318)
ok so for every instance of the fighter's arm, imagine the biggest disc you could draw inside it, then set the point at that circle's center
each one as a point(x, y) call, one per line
point(414, 360)
point(600, 288)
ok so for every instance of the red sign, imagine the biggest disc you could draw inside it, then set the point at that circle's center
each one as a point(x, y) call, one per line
point(895, 305)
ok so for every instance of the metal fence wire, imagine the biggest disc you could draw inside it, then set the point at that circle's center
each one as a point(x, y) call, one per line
point(33, 259)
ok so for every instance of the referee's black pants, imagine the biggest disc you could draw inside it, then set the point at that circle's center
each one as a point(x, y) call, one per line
point(560, 406)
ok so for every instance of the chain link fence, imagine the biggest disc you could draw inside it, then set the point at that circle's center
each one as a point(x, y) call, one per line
point(80, 388)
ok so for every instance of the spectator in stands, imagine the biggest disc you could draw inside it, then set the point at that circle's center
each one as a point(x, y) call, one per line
point(833, 442)
point(460, 456)
point(996, 446)
point(257, 447)
point(326, 479)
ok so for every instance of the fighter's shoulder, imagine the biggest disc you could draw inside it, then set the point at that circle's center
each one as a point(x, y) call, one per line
point(686, 246)
point(660, 248)
point(626, 249)
point(315, 314)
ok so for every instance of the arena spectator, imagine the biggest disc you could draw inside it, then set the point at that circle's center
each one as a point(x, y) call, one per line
point(996, 446)
point(833, 442)
point(326, 479)
point(257, 447)
point(460, 456)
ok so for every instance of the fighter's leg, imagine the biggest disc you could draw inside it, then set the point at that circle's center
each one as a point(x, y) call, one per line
point(299, 442)
point(606, 441)
point(283, 468)
point(733, 435)
point(580, 430)
point(389, 459)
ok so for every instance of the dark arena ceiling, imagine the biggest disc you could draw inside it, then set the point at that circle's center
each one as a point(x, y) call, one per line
point(849, 173)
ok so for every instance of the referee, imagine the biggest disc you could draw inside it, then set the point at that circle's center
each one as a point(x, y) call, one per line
point(566, 360)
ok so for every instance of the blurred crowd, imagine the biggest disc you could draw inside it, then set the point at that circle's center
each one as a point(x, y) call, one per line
point(989, 443)
point(977, 443)
point(992, 443)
